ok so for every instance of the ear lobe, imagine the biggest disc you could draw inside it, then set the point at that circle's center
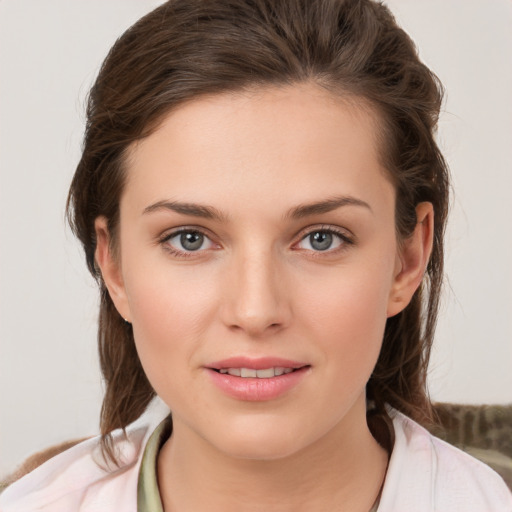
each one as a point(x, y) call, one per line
point(110, 268)
point(412, 260)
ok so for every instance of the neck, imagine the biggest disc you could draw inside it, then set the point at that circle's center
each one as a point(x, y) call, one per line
point(341, 471)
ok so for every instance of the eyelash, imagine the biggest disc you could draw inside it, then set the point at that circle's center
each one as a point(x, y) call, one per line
point(345, 240)
point(177, 253)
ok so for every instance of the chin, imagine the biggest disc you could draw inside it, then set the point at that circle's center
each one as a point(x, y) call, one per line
point(261, 439)
point(261, 449)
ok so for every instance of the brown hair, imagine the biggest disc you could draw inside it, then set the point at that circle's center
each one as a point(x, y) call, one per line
point(187, 48)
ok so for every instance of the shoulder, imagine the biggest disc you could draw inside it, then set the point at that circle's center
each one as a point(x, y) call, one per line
point(35, 460)
point(79, 479)
point(428, 474)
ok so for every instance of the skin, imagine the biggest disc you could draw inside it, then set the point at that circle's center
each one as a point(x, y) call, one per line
point(258, 287)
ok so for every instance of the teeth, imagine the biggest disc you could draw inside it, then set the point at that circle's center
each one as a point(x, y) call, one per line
point(248, 372)
point(266, 373)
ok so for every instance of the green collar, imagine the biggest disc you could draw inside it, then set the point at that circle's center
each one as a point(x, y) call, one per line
point(148, 495)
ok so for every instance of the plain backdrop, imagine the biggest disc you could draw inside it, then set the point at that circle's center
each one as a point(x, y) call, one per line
point(50, 52)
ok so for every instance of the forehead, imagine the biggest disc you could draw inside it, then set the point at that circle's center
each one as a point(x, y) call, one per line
point(299, 140)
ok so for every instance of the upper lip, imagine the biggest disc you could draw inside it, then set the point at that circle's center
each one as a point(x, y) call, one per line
point(259, 363)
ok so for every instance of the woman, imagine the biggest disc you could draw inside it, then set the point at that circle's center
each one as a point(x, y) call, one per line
point(263, 204)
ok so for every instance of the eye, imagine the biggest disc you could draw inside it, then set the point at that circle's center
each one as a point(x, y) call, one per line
point(187, 241)
point(321, 240)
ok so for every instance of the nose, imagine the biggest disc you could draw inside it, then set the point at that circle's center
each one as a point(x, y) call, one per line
point(258, 302)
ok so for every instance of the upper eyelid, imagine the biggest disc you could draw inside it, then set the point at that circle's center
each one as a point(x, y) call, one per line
point(172, 232)
point(337, 230)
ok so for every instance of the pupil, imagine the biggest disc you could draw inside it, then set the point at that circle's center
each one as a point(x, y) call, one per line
point(191, 241)
point(321, 241)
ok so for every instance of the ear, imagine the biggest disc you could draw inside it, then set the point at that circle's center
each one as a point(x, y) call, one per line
point(110, 268)
point(412, 260)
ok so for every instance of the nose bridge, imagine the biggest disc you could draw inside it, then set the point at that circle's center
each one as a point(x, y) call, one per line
point(258, 299)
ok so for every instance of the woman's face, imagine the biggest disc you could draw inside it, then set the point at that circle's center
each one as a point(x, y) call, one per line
point(258, 263)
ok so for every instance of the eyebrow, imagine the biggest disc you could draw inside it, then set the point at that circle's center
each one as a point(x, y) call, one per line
point(307, 210)
point(298, 212)
point(193, 209)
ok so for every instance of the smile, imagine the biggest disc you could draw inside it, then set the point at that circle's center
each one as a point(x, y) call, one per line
point(257, 380)
point(266, 373)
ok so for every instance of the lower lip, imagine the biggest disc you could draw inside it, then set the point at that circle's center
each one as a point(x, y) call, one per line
point(254, 389)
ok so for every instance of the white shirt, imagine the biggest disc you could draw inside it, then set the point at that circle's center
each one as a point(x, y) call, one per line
point(425, 474)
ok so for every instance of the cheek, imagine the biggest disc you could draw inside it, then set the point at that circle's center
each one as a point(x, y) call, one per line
point(170, 312)
point(348, 314)
point(163, 296)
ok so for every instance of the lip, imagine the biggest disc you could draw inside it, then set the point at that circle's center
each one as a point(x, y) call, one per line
point(254, 389)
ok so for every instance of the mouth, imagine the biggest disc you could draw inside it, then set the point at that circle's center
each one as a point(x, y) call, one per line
point(260, 379)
